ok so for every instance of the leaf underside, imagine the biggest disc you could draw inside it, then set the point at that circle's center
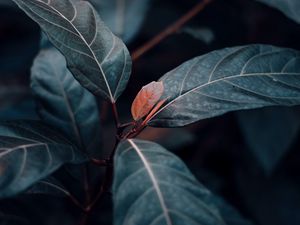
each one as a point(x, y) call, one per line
point(98, 59)
point(237, 78)
point(152, 186)
point(30, 151)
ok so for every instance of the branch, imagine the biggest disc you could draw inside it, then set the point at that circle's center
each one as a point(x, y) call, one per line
point(173, 28)
point(116, 115)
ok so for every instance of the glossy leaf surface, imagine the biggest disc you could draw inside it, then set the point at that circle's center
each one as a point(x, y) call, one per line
point(237, 78)
point(291, 8)
point(153, 186)
point(98, 59)
point(30, 151)
point(63, 102)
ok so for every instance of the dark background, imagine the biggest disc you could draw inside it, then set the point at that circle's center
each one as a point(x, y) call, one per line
point(252, 158)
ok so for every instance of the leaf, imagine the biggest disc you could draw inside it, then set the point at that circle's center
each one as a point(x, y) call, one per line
point(290, 8)
point(278, 130)
point(30, 151)
point(98, 59)
point(146, 99)
point(237, 78)
point(153, 186)
point(63, 102)
point(123, 17)
point(49, 186)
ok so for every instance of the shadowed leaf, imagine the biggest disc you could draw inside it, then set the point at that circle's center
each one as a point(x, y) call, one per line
point(269, 133)
point(30, 151)
point(49, 186)
point(63, 102)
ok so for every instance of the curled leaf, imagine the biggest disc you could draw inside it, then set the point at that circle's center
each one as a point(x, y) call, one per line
point(146, 99)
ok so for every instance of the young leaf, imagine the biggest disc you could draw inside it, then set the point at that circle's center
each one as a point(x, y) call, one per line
point(146, 99)
point(123, 17)
point(63, 102)
point(290, 8)
point(153, 186)
point(98, 59)
point(230, 79)
point(30, 151)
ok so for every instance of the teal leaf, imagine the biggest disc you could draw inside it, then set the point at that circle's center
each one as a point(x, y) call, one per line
point(230, 79)
point(153, 186)
point(291, 8)
point(63, 102)
point(29, 152)
point(97, 58)
point(123, 17)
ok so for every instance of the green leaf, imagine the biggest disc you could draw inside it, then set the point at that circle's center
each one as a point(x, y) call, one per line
point(63, 102)
point(98, 59)
point(123, 17)
point(291, 8)
point(237, 78)
point(153, 186)
point(29, 152)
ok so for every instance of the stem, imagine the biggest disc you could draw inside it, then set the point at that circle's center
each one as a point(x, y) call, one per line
point(100, 162)
point(84, 218)
point(86, 184)
point(75, 202)
point(173, 28)
point(116, 115)
point(107, 178)
point(104, 187)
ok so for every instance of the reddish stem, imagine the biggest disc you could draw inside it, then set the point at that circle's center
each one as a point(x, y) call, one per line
point(173, 28)
point(136, 129)
point(116, 115)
